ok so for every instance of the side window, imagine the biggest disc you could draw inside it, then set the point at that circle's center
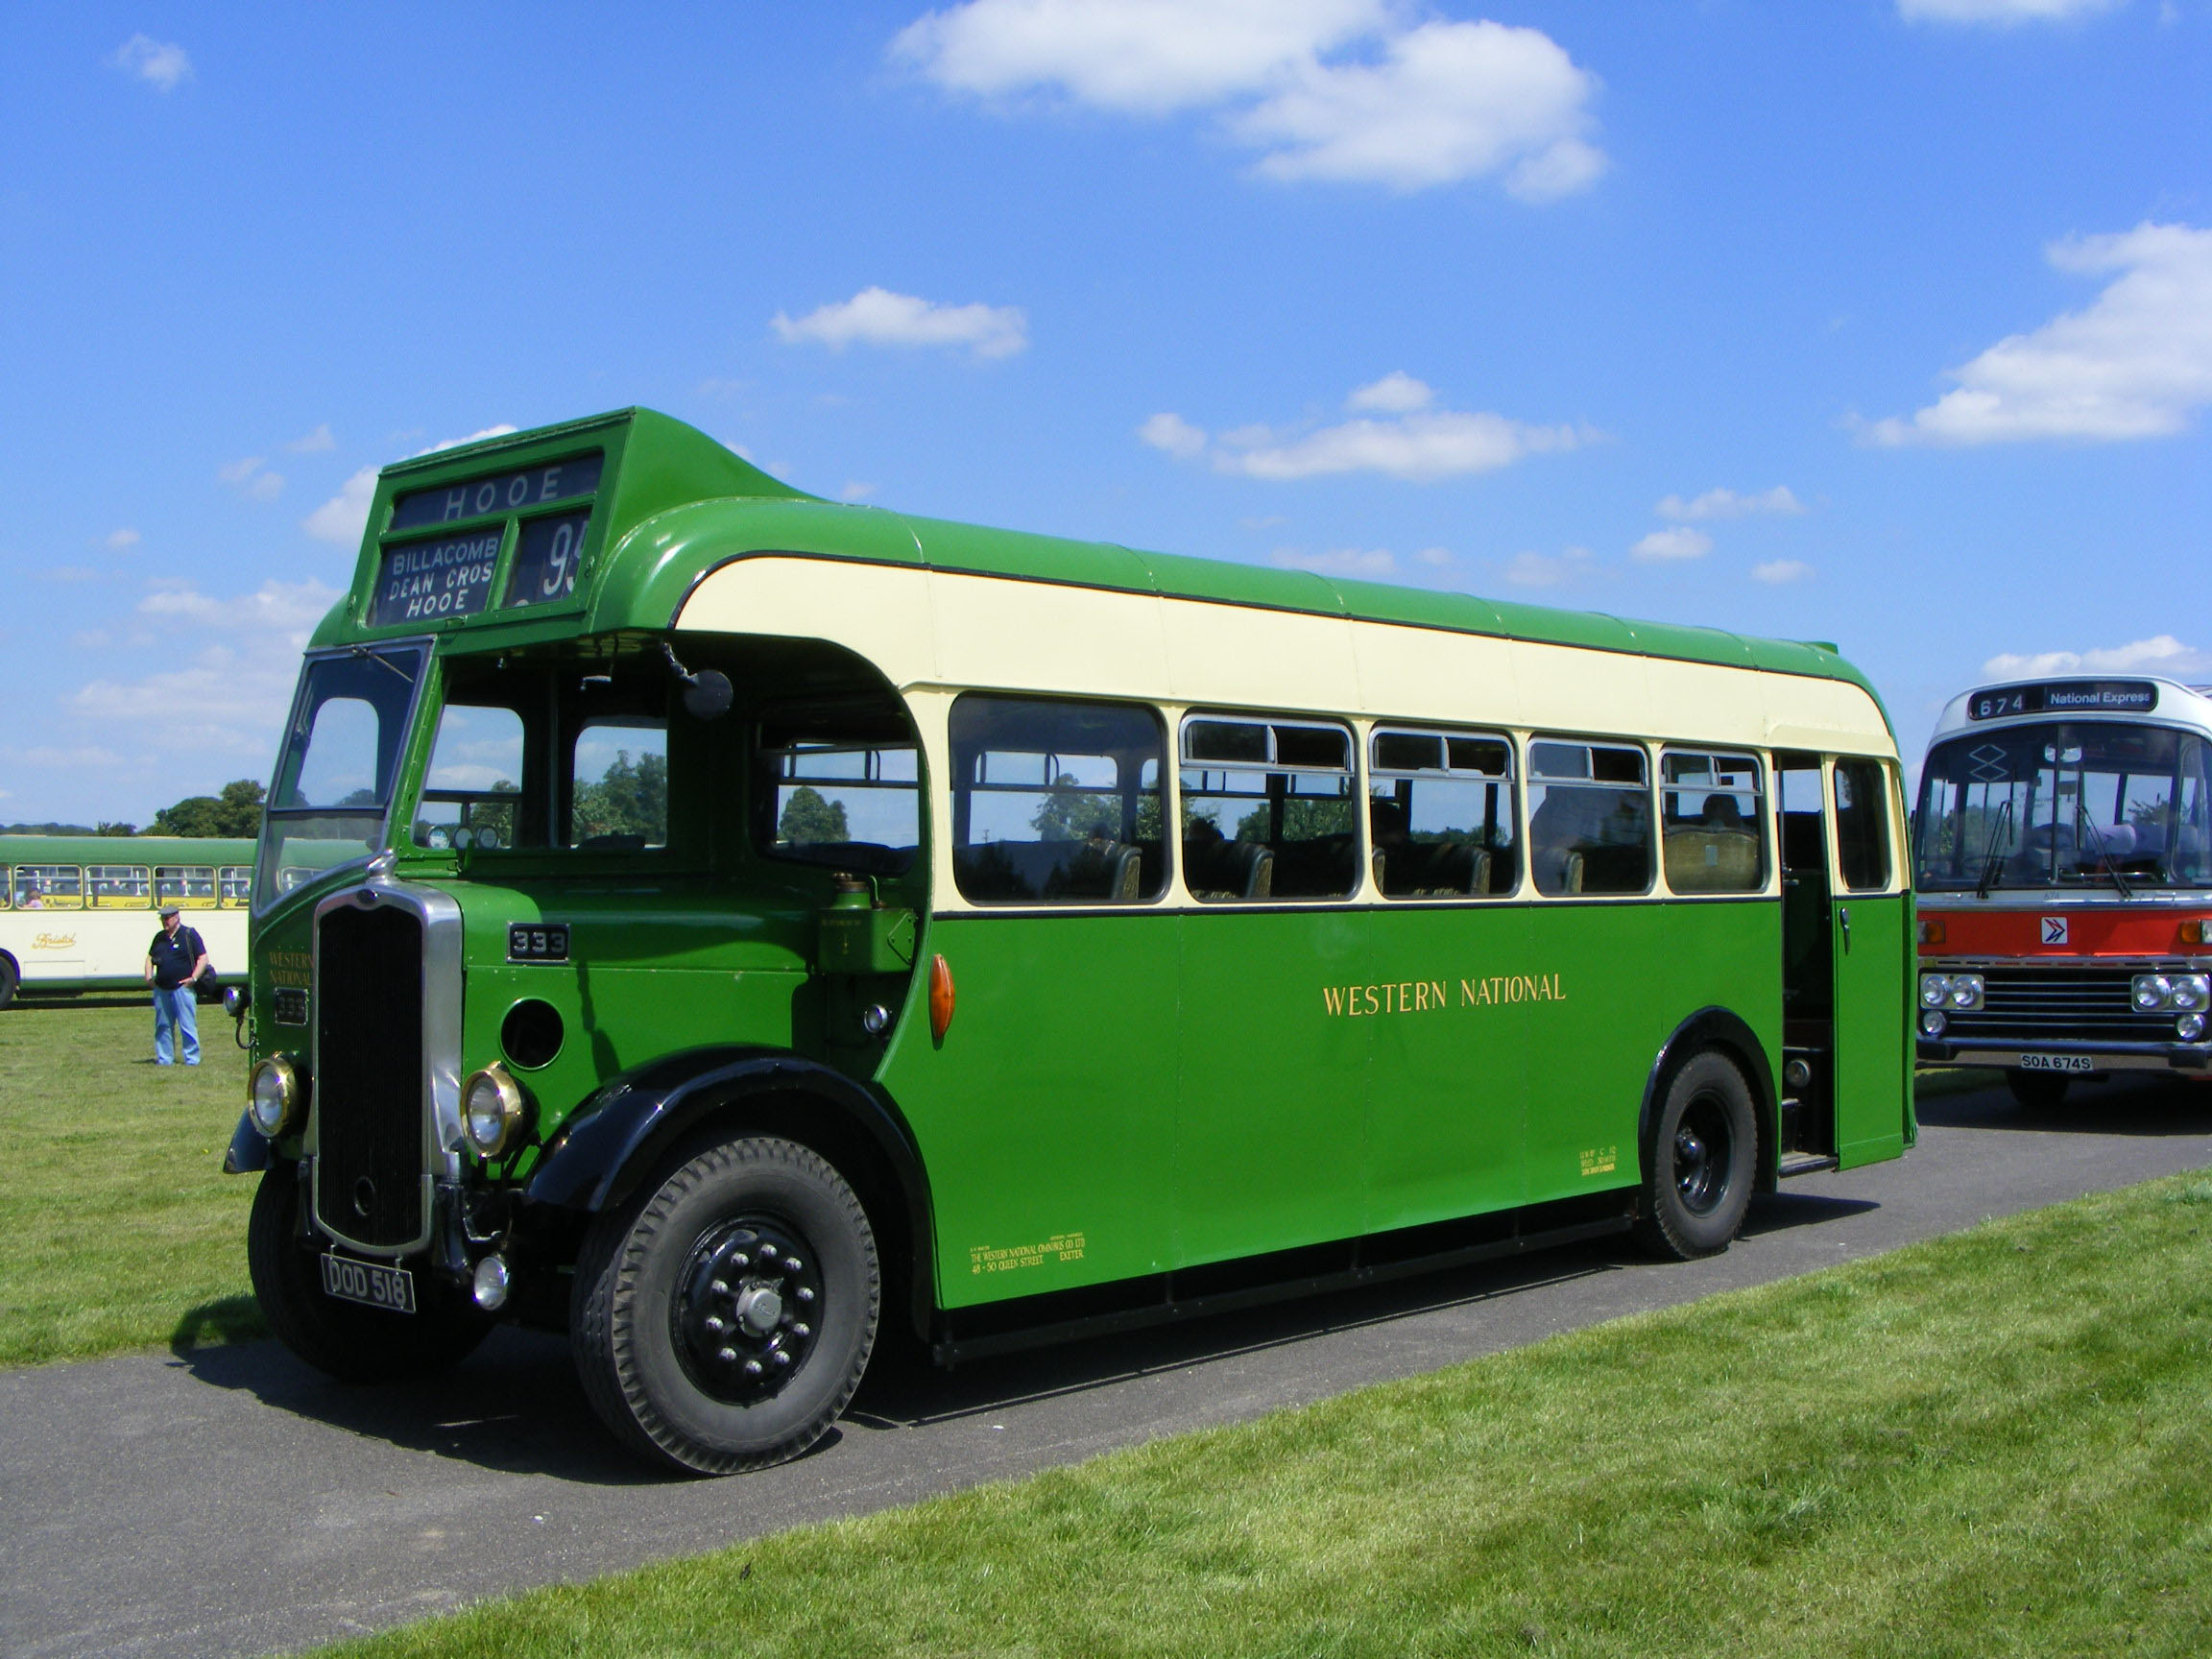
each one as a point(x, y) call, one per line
point(7, 888)
point(1711, 824)
point(1057, 803)
point(49, 887)
point(1589, 817)
point(1862, 825)
point(117, 886)
point(840, 785)
point(1267, 809)
point(1440, 811)
point(473, 790)
point(619, 776)
point(237, 886)
point(190, 885)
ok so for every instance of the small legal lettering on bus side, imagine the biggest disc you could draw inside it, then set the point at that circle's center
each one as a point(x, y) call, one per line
point(1433, 996)
point(1599, 1161)
point(1060, 1248)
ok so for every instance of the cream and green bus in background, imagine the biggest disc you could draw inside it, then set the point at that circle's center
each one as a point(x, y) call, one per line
point(77, 912)
point(738, 929)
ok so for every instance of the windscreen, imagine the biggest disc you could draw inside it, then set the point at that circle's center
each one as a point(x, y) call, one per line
point(2064, 804)
point(335, 775)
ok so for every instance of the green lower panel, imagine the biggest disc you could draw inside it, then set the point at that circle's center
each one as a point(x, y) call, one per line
point(1448, 1088)
point(615, 1018)
point(1271, 1149)
point(1045, 1119)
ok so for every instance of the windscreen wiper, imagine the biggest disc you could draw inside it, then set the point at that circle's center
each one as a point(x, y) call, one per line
point(2103, 859)
point(2000, 845)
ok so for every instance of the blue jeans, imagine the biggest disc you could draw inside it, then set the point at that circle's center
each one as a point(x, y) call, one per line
point(175, 1008)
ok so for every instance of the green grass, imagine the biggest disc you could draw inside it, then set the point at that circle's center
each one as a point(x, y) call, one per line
point(117, 1226)
point(1999, 1443)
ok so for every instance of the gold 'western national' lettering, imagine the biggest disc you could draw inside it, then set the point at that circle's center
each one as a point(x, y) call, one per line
point(1433, 996)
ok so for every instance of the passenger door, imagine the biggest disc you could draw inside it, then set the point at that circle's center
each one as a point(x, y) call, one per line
point(1871, 950)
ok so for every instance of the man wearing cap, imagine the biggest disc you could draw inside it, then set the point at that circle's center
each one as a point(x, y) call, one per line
point(174, 963)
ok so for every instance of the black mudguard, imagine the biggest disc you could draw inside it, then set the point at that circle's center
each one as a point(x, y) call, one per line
point(618, 1137)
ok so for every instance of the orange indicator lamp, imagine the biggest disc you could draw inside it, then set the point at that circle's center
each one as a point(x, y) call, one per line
point(940, 997)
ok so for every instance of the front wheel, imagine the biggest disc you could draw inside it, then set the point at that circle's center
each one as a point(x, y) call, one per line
point(723, 1320)
point(348, 1341)
point(1702, 1161)
point(2037, 1091)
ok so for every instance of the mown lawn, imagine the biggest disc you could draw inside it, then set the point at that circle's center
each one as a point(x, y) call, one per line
point(117, 1226)
point(1999, 1443)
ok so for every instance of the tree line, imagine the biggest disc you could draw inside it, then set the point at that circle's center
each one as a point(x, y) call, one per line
point(234, 813)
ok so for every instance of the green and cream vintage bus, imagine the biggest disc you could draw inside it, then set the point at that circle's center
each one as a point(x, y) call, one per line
point(77, 912)
point(735, 927)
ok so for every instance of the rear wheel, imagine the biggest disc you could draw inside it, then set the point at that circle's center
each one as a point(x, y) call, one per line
point(1702, 1161)
point(349, 1342)
point(10, 976)
point(723, 1320)
point(2037, 1091)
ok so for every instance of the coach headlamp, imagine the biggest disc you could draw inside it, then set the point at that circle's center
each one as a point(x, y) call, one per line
point(1932, 1022)
point(493, 1113)
point(2187, 993)
point(1954, 990)
point(273, 1097)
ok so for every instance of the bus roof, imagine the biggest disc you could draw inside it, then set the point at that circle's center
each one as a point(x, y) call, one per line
point(669, 505)
point(124, 850)
point(2076, 697)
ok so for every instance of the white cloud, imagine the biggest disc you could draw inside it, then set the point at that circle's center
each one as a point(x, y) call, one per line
point(2135, 364)
point(2162, 654)
point(855, 492)
point(249, 480)
point(1356, 90)
point(1999, 11)
point(229, 664)
point(123, 540)
point(1173, 434)
point(163, 64)
point(879, 317)
point(1365, 562)
point(1419, 444)
point(1531, 569)
point(346, 514)
point(1397, 392)
point(1418, 447)
point(1663, 545)
point(1727, 504)
point(1449, 100)
point(1780, 570)
point(316, 442)
point(1144, 56)
point(1438, 557)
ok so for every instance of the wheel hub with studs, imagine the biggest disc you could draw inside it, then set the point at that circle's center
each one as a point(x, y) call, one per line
point(746, 1309)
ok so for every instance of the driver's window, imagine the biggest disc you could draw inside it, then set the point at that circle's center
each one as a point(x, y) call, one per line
point(475, 780)
point(618, 800)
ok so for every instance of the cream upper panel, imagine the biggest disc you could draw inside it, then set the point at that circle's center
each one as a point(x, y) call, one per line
point(929, 628)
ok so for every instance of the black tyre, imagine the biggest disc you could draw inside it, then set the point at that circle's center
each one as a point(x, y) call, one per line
point(1701, 1163)
point(10, 976)
point(723, 1319)
point(2037, 1091)
point(352, 1343)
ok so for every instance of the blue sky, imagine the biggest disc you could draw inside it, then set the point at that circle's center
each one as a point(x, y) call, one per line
point(1885, 322)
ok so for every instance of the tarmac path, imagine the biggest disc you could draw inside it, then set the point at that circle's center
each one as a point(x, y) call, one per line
point(229, 1501)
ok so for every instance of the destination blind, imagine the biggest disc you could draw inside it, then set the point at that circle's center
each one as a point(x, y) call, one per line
point(500, 493)
point(422, 581)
